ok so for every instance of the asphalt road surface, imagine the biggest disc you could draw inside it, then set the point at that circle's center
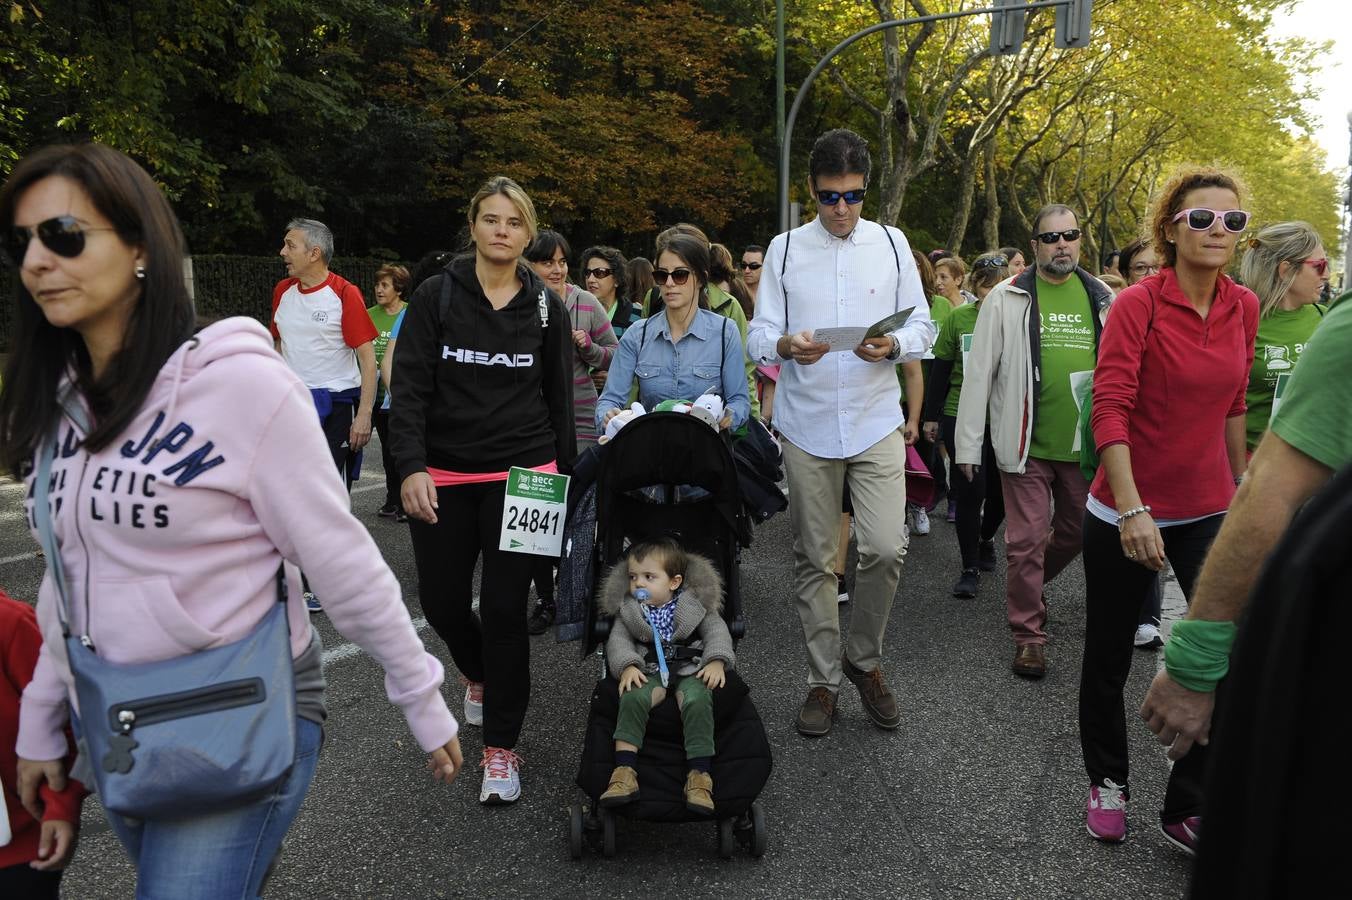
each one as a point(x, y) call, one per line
point(979, 793)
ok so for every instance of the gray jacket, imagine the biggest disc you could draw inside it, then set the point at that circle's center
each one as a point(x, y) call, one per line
point(699, 622)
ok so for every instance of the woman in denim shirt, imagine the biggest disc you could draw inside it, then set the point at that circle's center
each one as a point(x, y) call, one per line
point(683, 351)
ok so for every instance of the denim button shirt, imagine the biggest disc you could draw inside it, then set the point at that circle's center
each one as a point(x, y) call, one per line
point(679, 371)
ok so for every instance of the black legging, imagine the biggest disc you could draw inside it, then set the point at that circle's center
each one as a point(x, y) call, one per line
point(973, 525)
point(381, 420)
point(495, 648)
point(1114, 587)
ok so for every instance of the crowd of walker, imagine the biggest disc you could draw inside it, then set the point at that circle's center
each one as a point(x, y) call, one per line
point(1160, 413)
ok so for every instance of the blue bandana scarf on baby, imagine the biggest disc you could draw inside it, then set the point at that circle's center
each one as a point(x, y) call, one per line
point(663, 618)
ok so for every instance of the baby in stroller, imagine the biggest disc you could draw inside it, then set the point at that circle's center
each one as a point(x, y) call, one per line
point(668, 634)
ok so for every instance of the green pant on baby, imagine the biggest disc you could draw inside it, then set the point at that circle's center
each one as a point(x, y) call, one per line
point(697, 714)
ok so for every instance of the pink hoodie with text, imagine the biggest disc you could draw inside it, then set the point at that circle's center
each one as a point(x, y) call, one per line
point(171, 535)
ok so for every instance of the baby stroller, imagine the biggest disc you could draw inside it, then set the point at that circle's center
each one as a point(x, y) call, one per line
point(670, 475)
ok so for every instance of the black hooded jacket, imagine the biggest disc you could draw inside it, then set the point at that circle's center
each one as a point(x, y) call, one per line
point(479, 389)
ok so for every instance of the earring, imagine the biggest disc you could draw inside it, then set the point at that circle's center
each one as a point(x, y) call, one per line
point(141, 272)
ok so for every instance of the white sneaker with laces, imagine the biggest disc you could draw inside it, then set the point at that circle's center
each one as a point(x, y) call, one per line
point(920, 522)
point(474, 702)
point(1148, 637)
point(502, 776)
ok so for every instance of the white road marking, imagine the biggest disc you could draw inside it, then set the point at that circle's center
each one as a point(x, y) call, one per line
point(349, 650)
point(19, 557)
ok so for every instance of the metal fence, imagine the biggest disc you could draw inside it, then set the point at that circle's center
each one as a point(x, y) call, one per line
point(224, 285)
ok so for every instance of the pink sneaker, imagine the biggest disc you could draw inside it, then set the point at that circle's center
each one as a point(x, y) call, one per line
point(1106, 818)
point(1184, 835)
point(474, 701)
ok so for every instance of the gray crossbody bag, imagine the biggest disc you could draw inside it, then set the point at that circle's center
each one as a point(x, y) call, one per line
point(184, 736)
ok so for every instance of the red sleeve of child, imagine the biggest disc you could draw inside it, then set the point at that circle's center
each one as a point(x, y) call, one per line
point(62, 806)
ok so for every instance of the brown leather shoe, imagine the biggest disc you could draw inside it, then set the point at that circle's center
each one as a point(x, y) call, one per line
point(1030, 660)
point(879, 701)
point(623, 787)
point(814, 719)
point(699, 793)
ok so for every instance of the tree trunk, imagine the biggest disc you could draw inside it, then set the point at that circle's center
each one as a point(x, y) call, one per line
point(966, 193)
point(991, 228)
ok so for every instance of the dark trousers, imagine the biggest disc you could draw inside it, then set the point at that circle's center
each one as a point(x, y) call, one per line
point(1115, 586)
point(973, 524)
point(495, 648)
point(1152, 607)
point(337, 427)
point(23, 881)
point(380, 419)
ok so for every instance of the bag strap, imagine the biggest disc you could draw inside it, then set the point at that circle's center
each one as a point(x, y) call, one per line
point(42, 515)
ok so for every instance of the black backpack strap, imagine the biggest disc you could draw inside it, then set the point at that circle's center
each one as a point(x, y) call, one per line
point(444, 304)
point(895, 255)
point(783, 285)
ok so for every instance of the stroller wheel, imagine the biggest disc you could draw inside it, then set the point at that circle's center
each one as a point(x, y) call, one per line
point(726, 841)
point(759, 837)
point(607, 832)
point(575, 830)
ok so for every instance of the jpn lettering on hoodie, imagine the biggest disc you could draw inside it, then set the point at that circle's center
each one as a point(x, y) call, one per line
point(132, 495)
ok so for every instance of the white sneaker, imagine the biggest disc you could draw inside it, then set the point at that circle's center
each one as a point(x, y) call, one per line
point(920, 523)
point(1148, 637)
point(474, 702)
point(502, 776)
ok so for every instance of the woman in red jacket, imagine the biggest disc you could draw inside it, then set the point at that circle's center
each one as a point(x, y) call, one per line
point(1168, 420)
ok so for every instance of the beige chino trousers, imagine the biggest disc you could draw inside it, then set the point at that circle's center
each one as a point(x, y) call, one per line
point(878, 490)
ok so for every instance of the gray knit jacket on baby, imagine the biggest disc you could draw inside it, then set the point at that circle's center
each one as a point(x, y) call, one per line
point(699, 622)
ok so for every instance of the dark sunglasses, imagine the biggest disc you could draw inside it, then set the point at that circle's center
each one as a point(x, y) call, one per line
point(831, 198)
point(1320, 266)
point(990, 262)
point(63, 235)
point(752, 266)
point(1201, 219)
point(1051, 237)
point(678, 276)
point(597, 273)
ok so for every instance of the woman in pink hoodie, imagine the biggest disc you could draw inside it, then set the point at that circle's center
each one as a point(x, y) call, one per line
point(203, 468)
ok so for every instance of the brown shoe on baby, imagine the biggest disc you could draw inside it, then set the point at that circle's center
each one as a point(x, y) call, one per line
point(623, 787)
point(699, 793)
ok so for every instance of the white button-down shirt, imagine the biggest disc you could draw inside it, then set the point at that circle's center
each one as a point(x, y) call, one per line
point(840, 405)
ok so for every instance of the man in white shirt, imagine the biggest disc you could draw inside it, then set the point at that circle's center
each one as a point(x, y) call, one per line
point(840, 416)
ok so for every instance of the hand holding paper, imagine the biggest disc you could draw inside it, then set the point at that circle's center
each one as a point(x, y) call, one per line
point(856, 338)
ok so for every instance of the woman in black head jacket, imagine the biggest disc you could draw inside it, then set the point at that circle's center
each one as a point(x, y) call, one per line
point(484, 373)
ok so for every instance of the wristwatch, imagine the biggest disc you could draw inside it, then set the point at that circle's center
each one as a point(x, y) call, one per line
point(896, 348)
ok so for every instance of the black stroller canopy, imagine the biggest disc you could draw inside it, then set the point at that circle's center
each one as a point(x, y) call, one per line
point(669, 448)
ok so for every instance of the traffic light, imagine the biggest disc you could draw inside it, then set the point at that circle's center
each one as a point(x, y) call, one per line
point(1007, 26)
point(1072, 24)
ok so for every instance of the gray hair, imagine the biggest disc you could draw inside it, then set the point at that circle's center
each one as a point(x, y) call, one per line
point(316, 233)
point(1052, 209)
point(1261, 269)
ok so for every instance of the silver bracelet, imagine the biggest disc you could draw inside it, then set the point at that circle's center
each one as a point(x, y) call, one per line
point(1134, 511)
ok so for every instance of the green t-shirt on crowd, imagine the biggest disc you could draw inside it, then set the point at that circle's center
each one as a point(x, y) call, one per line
point(1282, 336)
point(1068, 357)
point(955, 342)
point(940, 309)
point(384, 322)
point(1314, 412)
